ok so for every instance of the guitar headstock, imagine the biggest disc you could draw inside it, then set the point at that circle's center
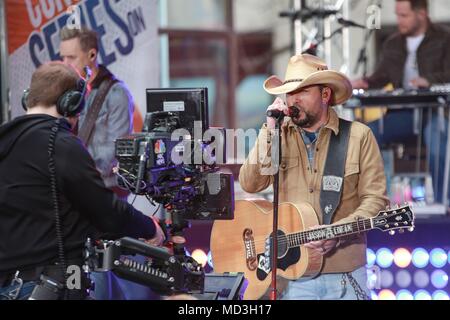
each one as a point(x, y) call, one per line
point(398, 218)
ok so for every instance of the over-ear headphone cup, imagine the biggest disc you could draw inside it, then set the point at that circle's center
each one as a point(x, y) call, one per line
point(25, 99)
point(70, 103)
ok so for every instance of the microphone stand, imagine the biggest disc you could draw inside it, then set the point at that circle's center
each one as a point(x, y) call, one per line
point(274, 241)
point(313, 48)
point(362, 57)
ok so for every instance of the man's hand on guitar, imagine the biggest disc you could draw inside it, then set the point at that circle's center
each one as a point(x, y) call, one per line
point(322, 246)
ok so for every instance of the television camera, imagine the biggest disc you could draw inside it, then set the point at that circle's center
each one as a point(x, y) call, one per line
point(170, 163)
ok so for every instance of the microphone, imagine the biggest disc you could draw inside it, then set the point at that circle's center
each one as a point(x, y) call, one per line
point(279, 114)
point(349, 23)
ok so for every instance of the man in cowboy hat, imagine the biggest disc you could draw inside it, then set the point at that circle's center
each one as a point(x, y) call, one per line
point(306, 138)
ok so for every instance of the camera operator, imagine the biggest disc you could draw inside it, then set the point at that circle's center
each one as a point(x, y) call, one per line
point(34, 241)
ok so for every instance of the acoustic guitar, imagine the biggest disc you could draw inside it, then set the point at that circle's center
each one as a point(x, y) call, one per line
point(244, 244)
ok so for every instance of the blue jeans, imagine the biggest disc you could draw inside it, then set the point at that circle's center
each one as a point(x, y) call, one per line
point(23, 294)
point(436, 141)
point(326, 287)
point(398, 128)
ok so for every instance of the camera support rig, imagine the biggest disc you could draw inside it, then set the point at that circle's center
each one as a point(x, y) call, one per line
point(163, 272)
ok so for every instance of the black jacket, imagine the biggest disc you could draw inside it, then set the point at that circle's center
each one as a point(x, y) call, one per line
point(27, 219)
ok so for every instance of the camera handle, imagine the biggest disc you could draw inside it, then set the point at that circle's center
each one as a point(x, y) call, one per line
point(179, 223)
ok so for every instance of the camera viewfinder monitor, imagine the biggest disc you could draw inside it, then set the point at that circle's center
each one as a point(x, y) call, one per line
point(190, 103)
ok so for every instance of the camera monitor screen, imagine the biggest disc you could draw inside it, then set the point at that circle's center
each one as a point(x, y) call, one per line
point(190, 103)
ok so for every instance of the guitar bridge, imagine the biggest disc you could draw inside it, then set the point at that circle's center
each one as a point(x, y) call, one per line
point(250, 250)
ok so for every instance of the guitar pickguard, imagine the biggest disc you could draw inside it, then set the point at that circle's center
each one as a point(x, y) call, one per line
point(264, 268)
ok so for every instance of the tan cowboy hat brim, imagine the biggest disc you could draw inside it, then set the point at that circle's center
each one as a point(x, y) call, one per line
point(338, 82)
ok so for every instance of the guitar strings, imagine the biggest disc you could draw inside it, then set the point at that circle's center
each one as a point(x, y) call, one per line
point(301, 236)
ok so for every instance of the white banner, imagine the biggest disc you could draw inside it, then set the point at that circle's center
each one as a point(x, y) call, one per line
point(128, 40)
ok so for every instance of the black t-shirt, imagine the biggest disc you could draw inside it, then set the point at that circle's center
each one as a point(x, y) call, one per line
point(27, 218)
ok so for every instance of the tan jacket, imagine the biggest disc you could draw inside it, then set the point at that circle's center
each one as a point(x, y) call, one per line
point(364, 186)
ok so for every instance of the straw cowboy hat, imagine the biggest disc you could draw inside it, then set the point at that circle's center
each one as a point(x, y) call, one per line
point(305, 70)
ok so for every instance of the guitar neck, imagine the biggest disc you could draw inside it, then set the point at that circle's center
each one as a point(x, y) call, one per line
point(330, 232)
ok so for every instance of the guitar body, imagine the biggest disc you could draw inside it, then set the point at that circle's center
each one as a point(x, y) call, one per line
point(239, 245)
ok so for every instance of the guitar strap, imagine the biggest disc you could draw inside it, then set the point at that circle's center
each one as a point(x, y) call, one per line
point(333, 173)
point(85, 132)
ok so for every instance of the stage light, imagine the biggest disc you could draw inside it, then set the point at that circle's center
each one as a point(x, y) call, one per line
point(420, 258)
point(439, 279)
point(440, 295)
point(422, 295)
point(373, 277)
point(210, 262)
point(200, 256)
point(384, 257)
point(371, 257)
point(404, 295)
point(421, 279)
point(386, 279)
point(402, 257)
point(438, 257)
point(386, 294)
point(373, 295)
point(403, 278)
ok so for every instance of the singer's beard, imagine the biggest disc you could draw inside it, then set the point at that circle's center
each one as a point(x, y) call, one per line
point(305, 119)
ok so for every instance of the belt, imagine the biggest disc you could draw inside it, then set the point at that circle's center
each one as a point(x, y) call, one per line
point(33, 274)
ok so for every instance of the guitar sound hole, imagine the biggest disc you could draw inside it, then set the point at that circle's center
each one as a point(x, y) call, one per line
point(283, 245)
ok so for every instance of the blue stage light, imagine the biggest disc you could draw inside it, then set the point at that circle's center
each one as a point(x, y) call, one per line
point(440, 295)
point(404, 295)
point(210, 262)
point(373, 295)
point(438, 258)
point(403, 278)
point(384, 257)
point(387, 279)
point(422, 295)
point(439, 279)
point(371, 257)
point(421, 279)
point(420, 258)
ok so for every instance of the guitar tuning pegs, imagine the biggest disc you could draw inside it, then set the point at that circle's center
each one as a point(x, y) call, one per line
point(401, 230)
point(391, 232)
point(411, 229)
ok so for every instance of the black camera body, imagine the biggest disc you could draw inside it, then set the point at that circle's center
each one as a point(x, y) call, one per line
point(174, 170)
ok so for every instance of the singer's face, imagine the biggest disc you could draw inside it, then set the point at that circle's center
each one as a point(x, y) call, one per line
point(71, 53)
point(309, 102)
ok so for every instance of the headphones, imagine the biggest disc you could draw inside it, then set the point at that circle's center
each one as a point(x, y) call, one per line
point(71, 102)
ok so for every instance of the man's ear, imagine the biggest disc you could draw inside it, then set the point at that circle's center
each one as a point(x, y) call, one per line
point(92, 54)
point(326, 95)
point(423, 14)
